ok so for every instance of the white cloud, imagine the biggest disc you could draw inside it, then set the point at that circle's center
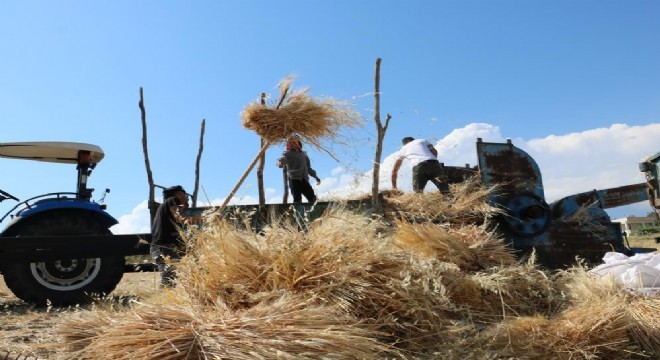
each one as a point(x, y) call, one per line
point(338, 170)
point(137, 222)
point(570, 164)
point(594, 159)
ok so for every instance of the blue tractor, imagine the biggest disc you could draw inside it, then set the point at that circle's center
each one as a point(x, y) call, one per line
point(57, 248)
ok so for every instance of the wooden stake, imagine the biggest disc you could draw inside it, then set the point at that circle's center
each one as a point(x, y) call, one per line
point(262, 162)
point(150, 178)
point(380, 136)
point(240, 182)
point(199, 158)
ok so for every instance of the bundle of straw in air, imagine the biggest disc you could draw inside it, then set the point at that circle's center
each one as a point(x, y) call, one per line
point(299, 114)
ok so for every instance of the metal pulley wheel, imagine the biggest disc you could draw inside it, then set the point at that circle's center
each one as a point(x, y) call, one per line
point(527, 214)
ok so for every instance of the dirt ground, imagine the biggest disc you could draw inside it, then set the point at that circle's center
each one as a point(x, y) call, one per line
point(29, 331)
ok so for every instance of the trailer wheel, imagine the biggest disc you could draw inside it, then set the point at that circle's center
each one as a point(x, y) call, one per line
point(67, 281)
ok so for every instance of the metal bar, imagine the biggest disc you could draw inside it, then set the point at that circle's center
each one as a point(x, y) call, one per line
point(44, 248)
point(624, 195)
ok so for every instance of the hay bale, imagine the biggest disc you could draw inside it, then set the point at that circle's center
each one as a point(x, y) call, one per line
point(302, 115)
point(598, 331)
point(341, 260)
point(470, 247)
point(350, 287)
point(466, 205)
point(287, 328)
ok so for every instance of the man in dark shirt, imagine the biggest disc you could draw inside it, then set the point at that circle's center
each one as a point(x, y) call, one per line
point(166, 243)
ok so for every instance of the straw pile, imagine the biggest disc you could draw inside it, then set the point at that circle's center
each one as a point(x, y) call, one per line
point(601, 322)
point(466, 204)
point(350, 287)
point(470, 247)
point(299, 114)
point(284, 329)
point(341, 261)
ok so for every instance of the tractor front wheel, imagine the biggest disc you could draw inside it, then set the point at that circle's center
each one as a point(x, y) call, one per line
point(66, 281)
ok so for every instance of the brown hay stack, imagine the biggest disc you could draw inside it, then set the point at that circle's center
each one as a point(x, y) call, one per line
point(351, 287)
point(512, 291)
point(598, 331)
point(465, 205)
point(300, 114)
point(283, 329)
point(342, 261)
point(470, 247)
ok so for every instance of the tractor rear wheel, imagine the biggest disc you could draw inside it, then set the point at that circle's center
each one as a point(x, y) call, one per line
point(66, 281)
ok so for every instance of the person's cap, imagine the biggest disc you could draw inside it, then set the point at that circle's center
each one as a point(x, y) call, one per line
point(170, 191)
point(295, 141)
point(407, 139)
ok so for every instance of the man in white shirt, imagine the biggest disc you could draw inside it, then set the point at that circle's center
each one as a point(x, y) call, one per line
point(424, 160)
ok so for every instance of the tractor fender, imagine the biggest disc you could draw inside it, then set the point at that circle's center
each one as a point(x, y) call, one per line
point(46, 209)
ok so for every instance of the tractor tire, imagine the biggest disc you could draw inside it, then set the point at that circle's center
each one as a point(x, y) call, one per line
point(67, 281)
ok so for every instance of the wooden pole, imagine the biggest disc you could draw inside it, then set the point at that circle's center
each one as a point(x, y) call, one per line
point(199, 158)
point(262, 162)
point(240, 182)
point(150, 178)
point(380, 136)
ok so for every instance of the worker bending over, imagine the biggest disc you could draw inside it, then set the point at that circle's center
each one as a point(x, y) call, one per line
point(423, 158)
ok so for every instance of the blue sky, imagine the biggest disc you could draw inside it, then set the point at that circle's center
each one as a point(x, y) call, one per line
point(575, 83)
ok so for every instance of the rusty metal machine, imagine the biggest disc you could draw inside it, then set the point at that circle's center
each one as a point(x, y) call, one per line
point(574, 226)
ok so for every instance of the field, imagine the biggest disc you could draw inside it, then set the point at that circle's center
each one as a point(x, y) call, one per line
point(30, 331)
point(644, 242)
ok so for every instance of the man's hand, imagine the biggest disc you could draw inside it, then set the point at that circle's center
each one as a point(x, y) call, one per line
point(318, 181)
point(433, 150)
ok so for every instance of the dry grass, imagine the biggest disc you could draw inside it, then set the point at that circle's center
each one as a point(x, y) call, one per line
point(465, 205)
point(299, 114)
point(350, 287)
point(30, 331)
point(470, 247)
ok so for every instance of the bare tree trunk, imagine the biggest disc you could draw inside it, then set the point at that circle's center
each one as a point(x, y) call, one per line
point(199, 158)
point(260, 169)
point(380, 136)
point(150, 178)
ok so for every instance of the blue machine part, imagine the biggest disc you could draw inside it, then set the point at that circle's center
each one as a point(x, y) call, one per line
point(519, 187)
point(69, 204)
point(511, 168)
point(573, 226)
point(46, 205)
